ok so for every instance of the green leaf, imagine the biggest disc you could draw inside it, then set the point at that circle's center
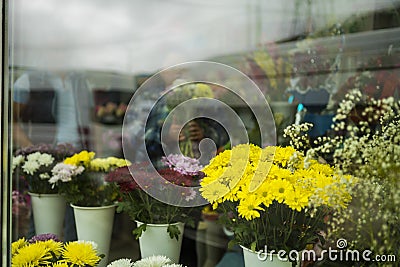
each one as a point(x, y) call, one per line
point(120, 207)
point(139, 230)
point(173, 231)
point(253, 246)
point(232, 243)
point(190, 223)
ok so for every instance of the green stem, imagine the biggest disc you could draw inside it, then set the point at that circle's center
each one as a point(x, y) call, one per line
point(145, 199)
point(255, 228)
point(287, 235)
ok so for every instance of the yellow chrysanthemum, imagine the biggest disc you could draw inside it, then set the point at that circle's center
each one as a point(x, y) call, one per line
point(17, 245)
point(273, 173)
point(260, 174)
point(99, 165)
point(121, 162)
point(322, 181)
point(280, 189)
point(86, 159)
point(80, 254)
point(264, 194)
point(278, 173)
point(83, 158)
point(231, 177)
point(268, 153)
point(60, 264)
point(32, 255)
point(283, 155)
point(323, 169)
point(213, 175)
point(297, 200)
point(232, 195)
point(53, 246)
point(222, 160)
point(249, 208)
point(255, 153)
point(214, 191)
point(305, 173)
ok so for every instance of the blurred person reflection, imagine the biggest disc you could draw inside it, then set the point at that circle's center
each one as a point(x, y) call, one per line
point(52, 107)
point(137, 118)
point(58, 99)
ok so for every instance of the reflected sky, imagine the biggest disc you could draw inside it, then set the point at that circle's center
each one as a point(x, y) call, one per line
point(137, 36)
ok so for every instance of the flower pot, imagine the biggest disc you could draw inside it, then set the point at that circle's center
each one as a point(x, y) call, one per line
point(95, 224)
point(156, 241)
point(48, 213)
point(253, 259)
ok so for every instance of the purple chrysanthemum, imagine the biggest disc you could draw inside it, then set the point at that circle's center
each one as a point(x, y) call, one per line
point(44, 237)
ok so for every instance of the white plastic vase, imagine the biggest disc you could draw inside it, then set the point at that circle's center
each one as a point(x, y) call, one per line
point(48, 213)
point(156, 241)
point(95, 224)
point(252, 259)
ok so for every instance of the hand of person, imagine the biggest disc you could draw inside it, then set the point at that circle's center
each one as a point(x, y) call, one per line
point(196, 133)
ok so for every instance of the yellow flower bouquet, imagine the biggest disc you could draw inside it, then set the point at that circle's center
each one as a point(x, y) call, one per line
point(81, 179)
point(47, 250)
point(273, 196)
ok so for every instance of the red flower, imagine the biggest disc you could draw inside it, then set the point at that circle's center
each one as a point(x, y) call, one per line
point(176, 178)
point(123, 178)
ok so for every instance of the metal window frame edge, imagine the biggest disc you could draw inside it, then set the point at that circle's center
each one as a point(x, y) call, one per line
point(5, 157)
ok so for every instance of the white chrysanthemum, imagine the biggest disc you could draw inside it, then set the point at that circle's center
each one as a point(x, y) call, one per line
point(17, 161)
point(45, 159)
point(34, 156)
point(44, 176)
point(30, 166)
point(152, 261)
point(173, 265)
point(121, 263)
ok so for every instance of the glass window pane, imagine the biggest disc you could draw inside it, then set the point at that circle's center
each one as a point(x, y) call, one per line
point(75, 66)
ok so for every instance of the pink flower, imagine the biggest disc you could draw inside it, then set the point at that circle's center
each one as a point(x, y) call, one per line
point(19, 202)
point(182, 164)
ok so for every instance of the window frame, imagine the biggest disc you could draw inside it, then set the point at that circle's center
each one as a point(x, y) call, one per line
point(5, 189)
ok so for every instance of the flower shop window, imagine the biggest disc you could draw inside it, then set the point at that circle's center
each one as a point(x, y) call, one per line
point(70, 70)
